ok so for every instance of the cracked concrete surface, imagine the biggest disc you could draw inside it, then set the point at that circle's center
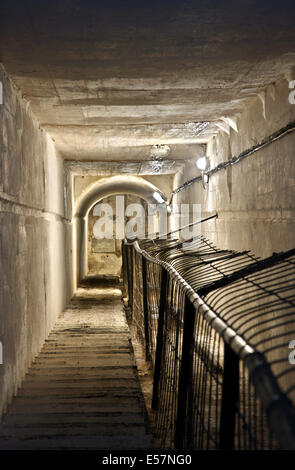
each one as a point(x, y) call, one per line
point(110, 79)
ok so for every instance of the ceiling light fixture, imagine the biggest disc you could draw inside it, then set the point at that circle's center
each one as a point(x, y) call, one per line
point(159, 151)
point(203, 164)
point(169, 208)
point(158, 198)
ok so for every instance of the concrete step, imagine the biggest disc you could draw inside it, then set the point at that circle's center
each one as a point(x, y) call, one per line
point(107, 405)
point(79, 443)
point(87, 350)
point(105, 399)
point(91, 362)
point(70, 430)
point(120, 373)
point(102, 384)
point(75, 418)
point(111, 387)
point(107, 387)
point(79, 368)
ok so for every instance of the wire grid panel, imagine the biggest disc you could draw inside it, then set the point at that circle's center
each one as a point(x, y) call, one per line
point(128, 271)
point(153, 301)
point(251, 428)
point(170, 366)
point(137, 300)
point(125, 266)
point(205, 390)
point(260, 307)
point(256, 298)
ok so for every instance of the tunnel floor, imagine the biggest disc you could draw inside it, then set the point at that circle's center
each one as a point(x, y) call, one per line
point(82, 391)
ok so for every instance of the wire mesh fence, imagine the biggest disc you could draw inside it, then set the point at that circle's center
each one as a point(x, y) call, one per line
point(216, 326)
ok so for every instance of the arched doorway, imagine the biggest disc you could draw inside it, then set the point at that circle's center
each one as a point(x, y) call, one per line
point(121, 185)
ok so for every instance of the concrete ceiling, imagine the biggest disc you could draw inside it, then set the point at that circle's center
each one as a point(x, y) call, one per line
point(108, 79)
point(111, 168)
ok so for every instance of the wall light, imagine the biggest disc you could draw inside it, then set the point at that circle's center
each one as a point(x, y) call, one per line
point(158, 197)
point(169, 209)
point(205, 180)
point(159, 151)
point(203, 163)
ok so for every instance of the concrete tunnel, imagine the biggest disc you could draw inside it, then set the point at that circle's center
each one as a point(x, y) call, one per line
point(147, 344)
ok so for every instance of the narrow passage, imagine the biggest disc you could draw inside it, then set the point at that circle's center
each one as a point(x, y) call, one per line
point(82, 391)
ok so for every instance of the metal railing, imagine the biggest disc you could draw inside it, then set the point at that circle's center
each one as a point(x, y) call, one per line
point(215, 325)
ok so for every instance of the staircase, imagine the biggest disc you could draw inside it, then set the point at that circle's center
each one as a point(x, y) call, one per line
point(82, 391)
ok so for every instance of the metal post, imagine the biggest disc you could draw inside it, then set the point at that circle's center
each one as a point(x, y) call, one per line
point(230, 396)
point(124, 269)
point(128, 274)
point(130, 278)
point(145, 308)
point(160, 339)
point(185, 374)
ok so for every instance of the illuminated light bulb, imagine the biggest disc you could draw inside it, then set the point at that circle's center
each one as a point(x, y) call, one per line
point(158, 197)
point(159, 151)
point(202, 163)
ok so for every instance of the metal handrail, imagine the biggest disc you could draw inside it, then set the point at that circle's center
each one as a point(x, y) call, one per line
point(236, 342)
point(278, 407)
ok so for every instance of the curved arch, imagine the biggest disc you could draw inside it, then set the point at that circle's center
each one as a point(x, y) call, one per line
point(105, 187)
point(116, 185)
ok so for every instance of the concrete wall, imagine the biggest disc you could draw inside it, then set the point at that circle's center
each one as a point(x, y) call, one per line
point(255, 199)
point(35, 281)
